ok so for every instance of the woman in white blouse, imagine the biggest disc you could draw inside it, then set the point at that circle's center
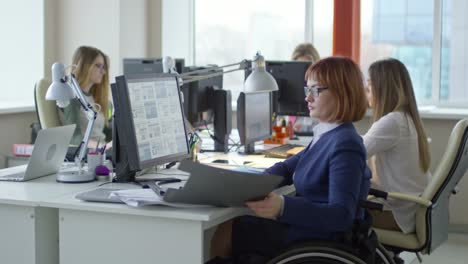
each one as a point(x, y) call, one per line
point(396, 143)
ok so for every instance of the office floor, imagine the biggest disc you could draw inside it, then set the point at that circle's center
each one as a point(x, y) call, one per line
point(454, 251)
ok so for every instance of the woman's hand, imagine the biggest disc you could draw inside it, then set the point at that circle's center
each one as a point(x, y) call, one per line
point(270, 207)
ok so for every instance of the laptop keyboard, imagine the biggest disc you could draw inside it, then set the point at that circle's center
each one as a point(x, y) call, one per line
point(13, 172)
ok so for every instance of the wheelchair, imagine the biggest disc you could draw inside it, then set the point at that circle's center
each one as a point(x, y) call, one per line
point(359, 246)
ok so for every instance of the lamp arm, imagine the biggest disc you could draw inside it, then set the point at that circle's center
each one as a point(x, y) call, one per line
point(195, 78)
point(188, 78)
point(90, 115)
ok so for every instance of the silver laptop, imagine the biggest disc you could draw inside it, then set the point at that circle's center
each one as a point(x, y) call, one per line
point(46, 158)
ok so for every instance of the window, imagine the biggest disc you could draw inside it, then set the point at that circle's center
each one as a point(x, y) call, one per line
point(454, 53)
point(21, 50)
point(230, 31)
point(399, 29)
point(404, 29)
point(226, 32)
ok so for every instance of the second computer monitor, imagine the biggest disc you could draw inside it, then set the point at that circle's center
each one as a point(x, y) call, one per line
point(199, 97)
point(290, 97)
point(254, 118)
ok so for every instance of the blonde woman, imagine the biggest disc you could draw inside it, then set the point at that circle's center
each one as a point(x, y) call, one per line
point(304, 52)
point(396, 143)
point(91, 70)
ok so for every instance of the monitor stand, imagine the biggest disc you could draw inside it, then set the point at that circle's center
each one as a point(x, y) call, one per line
point(222, 120)
point(249, 149)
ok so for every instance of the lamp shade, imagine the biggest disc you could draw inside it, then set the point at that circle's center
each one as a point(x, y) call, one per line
point(59, 90)
point(260, 79)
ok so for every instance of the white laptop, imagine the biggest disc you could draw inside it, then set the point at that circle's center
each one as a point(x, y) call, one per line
point(46, 158)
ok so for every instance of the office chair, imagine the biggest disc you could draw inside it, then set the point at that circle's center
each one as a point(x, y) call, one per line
point(432, 216)
point(46, 110)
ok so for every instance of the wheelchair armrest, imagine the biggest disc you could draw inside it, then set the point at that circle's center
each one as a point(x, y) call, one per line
point(405, 197)
point(410, 198)
point(374, 194)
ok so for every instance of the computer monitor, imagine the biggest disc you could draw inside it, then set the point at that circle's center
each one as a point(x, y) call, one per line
point(290, 76)
point(149, 127)
point(254, 118)
point(206, 103)
point(148, 65)
point(198, 97)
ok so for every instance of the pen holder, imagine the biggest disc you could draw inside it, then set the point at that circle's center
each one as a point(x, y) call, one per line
point(94, 160)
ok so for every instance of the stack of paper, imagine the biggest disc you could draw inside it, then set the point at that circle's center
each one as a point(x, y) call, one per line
point(141, 197)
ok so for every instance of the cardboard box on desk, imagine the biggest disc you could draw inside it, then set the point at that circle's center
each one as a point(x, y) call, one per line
point(22, 150)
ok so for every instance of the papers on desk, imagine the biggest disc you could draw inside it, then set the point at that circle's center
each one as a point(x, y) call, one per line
point(142, 197)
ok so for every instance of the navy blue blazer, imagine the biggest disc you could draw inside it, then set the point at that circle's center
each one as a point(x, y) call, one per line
point(331, 177)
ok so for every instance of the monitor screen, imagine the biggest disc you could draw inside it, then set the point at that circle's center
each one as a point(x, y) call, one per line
point(290, 76)
point(148, 65)
point(150, 119)
point(254, 118)
point(158, 118)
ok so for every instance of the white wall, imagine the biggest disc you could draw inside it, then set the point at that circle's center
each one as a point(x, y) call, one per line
point(118, 27)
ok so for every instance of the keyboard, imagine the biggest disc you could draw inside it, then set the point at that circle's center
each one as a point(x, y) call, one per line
point(283, 151)
point(13, 173)
point(99, 195)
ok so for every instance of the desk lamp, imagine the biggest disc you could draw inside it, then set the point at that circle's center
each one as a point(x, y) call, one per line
point(64, 88)
point(258, 80)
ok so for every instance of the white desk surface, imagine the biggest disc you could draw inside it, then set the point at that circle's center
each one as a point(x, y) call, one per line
point(46, 192)
point(48, 211)
point(68, 201)
point(31, 193)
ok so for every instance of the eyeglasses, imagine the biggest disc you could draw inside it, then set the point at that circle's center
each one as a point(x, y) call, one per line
point(314, 90)
point(100, 66)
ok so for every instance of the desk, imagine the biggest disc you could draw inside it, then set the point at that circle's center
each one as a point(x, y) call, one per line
point(116, 233)
point(29, 232)
point(37, 213)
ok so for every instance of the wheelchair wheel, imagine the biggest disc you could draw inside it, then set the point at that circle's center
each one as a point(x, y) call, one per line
point(316, 254)
point(383, 256)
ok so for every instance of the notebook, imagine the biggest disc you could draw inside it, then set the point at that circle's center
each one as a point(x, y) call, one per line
point(47, 155)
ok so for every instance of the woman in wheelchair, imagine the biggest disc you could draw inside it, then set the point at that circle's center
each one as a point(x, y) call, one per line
point(396, 143)
point(330, 175)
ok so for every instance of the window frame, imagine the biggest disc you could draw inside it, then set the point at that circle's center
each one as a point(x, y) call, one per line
point(186, 49)
point(189, 53)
